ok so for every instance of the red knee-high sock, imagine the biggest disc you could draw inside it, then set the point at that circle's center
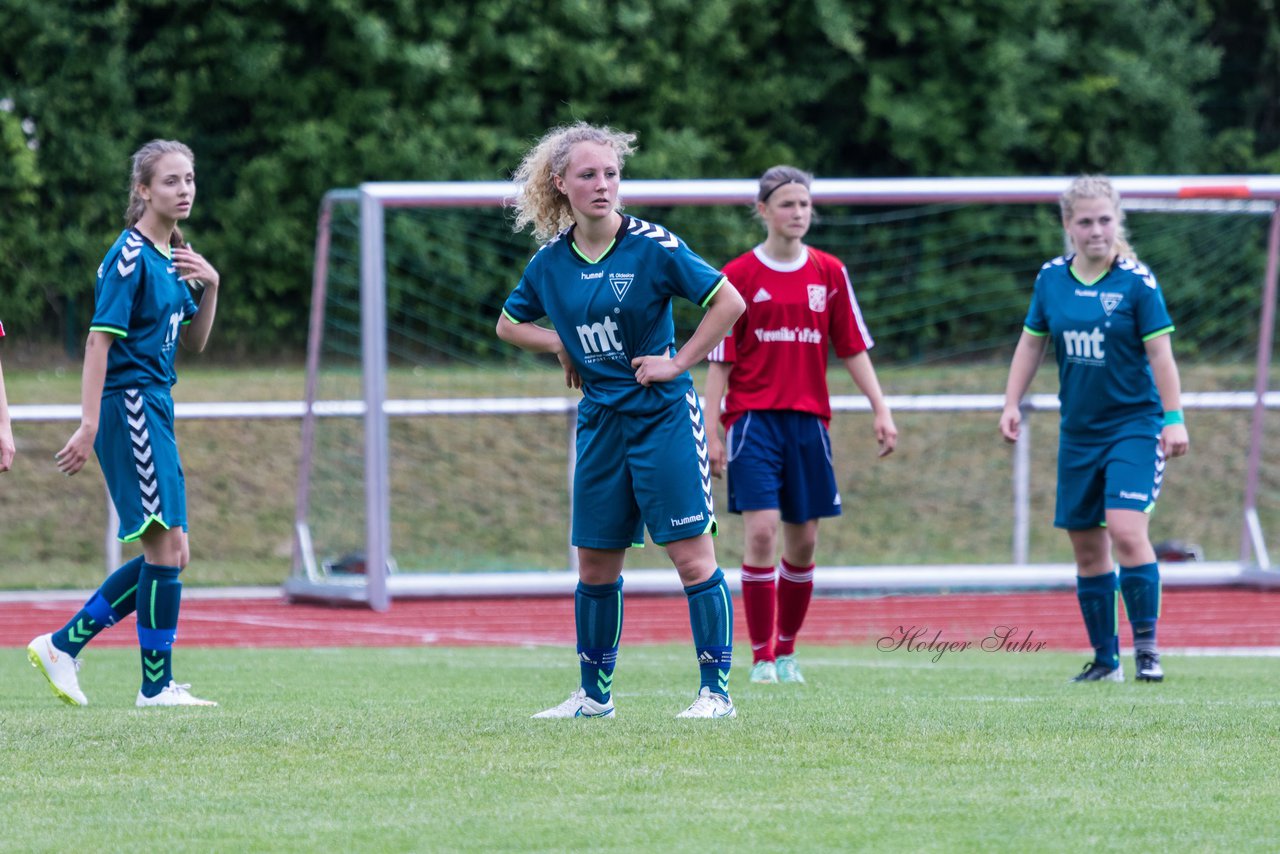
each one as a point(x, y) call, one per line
point(758, 595)
point(795, 589)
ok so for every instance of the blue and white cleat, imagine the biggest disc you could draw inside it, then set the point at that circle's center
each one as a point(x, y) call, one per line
point(1149, 669)
point(710, 705)
point(579, 705)
point(1096, 672)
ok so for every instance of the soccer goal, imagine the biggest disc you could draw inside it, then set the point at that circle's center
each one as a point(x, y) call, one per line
point(436, 460)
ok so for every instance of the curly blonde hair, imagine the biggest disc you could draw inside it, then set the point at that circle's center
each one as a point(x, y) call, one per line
point(143, 170)
point(537, 201)
point(1098, 187)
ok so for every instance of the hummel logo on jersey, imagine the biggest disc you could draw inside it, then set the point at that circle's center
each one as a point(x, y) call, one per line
point(620, 282)
point(598, 274)
point(1084, 345)
point(132, 246)
point(655, 232)
point(762, 296)
point(1135, 496)
point(1139, 269)
point(600, 338)
point(1110, 301)
point(170, 268)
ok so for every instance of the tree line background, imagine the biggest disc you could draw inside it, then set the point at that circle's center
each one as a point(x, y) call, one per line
point(282, 101)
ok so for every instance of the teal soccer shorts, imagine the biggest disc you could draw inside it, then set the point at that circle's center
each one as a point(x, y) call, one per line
point(1093, 478)
point(641, 470)
point(139, 457)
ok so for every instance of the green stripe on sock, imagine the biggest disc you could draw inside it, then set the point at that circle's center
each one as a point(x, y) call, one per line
point(132, 591)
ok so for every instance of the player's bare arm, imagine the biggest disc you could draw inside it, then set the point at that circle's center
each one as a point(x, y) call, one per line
point(76, 452)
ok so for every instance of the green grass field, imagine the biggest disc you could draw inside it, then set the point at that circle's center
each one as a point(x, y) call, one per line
point(431, 749)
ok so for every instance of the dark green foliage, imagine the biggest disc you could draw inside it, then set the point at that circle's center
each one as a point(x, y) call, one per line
point(282, 101)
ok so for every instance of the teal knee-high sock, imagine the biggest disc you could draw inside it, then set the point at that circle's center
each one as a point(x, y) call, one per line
point(597, 610)
point(711, 618)
point(1097, 595)
point(110, 604)
point(1140, 587)
point(159, 594)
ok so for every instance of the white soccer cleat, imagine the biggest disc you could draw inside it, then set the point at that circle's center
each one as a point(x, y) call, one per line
point(173, 694)
point(59, 667)
point(579, 705)
point(710, 705)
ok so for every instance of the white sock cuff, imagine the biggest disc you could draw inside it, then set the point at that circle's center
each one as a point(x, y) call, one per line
point(794, 575)
point(749, 575)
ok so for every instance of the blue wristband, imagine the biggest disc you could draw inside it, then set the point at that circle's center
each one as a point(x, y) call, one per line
point(1174, 416)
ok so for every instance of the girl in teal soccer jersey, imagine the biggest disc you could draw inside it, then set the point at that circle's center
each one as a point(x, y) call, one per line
point(143, 309)
point(6, 428)
point(1121, 417)
point(606, 280)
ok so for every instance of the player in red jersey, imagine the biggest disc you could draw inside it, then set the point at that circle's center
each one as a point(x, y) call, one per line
point(6, 428)
point(769, 380)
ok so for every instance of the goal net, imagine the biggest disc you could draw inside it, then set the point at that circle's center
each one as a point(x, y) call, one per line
point(436, 451)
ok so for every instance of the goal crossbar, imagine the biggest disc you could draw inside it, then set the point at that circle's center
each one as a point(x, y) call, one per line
point(374, 198)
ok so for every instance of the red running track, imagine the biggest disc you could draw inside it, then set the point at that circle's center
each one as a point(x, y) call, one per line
point(1191, 618)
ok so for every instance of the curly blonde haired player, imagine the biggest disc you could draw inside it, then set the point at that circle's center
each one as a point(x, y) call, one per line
point(606, 281)
point(1121, 417)
point(771, 374)
point(143, 309)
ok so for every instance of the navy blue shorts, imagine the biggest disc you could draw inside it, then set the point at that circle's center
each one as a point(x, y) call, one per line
point(635, 471)
point(1093, 478)
point(139, 457)
point(781, 460)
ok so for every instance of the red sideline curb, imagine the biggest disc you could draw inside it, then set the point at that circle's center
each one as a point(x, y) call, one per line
point(1201, 617)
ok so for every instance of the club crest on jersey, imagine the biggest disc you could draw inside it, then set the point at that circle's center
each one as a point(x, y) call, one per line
point(621, 283)
point(818, 297)
point(1110, 301)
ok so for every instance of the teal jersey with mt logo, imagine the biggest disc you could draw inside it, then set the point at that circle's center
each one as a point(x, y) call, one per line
point(140, 300)
point(611, 310)
point(1099, 331)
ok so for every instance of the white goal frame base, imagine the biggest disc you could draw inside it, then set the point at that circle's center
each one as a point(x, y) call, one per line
point(828, 580)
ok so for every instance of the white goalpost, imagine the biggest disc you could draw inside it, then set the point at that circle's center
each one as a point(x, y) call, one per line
point(319, 574)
